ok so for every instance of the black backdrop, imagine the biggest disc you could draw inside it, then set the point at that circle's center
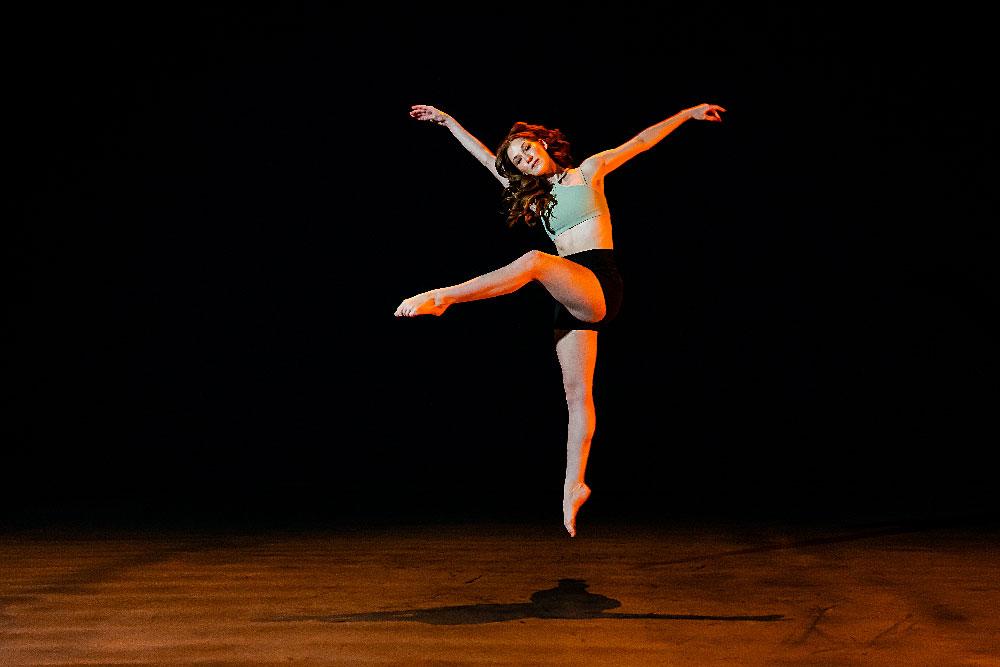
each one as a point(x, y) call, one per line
point(218, 209)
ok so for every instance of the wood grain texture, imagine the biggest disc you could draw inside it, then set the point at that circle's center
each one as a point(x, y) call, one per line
point(509, 594)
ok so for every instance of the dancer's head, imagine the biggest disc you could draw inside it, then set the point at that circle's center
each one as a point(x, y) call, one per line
point(532, 151)
point(527, 156)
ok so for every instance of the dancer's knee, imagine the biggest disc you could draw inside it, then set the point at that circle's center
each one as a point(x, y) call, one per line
point(532, 262)
point(600, 310)
point(579, 398)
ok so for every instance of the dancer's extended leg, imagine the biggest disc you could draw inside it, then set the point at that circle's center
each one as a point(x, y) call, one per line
point(574, 286)
point(577, 352)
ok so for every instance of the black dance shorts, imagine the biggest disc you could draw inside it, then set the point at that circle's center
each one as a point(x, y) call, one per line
point(602, 262)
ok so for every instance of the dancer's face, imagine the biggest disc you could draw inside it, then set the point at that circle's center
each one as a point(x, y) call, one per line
point(530, 156)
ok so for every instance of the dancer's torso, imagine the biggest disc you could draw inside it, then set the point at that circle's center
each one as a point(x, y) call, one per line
point(589, 234)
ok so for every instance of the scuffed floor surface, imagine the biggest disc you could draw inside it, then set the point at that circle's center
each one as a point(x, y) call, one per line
point(697, 595)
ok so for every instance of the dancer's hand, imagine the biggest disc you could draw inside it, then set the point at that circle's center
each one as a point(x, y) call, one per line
point(706, 112)
point(426, 112)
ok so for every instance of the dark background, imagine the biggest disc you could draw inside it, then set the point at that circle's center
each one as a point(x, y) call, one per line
point(217, 210)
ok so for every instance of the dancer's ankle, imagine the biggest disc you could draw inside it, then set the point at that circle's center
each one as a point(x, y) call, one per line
point(442, 299)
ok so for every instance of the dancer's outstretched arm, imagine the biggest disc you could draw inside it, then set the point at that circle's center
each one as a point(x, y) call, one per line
point(471, 144)
point(607, 161)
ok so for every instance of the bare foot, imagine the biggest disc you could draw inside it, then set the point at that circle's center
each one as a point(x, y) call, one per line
point(427, 303)
point(573, 498)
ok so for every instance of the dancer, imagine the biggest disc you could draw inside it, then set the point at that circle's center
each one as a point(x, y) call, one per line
point(541, 184)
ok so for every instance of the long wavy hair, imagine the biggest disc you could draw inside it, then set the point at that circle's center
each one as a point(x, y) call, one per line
point(529, 197)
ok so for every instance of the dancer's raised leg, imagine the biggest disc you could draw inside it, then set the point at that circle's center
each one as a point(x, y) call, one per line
point(577, 352)
point(573, 285)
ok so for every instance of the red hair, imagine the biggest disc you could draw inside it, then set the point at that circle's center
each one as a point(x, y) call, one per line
point(528, 197)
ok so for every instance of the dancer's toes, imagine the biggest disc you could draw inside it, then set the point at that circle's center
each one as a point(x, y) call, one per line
point(573, 498)
point(421, 304)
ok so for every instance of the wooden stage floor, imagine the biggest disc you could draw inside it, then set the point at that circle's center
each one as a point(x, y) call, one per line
point(694, 594)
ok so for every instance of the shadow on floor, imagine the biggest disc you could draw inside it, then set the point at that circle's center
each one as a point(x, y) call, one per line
point(569, 600)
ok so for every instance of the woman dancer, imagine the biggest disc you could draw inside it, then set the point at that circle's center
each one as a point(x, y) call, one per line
point(541, 184)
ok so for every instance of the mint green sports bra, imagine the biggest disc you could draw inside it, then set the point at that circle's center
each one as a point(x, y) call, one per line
point(574, 204)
